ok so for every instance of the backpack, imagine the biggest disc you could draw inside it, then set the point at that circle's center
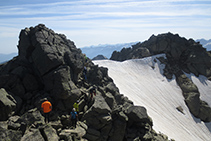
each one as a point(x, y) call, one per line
point(73, 115)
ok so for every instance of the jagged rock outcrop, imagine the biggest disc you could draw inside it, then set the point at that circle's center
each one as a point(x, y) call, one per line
point(50, 66)
point(182, 55)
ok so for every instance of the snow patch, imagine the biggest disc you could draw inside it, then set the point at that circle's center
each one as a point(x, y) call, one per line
point(141, 80)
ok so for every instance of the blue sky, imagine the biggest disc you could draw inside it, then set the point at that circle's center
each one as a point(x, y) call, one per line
point(93, 22)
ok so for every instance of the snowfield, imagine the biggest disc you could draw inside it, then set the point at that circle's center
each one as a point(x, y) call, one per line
point(141, 80)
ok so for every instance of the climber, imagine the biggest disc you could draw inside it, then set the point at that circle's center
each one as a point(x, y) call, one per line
point(92, 91)
point(75, 105)
point(86, 60)
point(46, 107)
point(73, 117)
point(84, 73)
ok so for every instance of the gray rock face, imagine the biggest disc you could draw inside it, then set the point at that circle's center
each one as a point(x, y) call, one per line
point(50, 66)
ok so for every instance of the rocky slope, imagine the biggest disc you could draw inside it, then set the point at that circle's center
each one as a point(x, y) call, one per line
point(182, 56)
point(49, 65)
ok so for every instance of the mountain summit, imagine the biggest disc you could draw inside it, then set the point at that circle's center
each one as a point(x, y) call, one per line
point(50, 66)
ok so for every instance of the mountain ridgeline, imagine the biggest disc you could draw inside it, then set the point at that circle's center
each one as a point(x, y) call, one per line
point(50, 66)
point(182, 56)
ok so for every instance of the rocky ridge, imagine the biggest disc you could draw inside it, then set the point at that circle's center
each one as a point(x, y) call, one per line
point(182, 56)
point(49, 65)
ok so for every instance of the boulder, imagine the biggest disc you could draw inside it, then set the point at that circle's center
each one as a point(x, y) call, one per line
point(33, 135)
point(111, 87)
point(100, 105)
point(93, 134)
point(110, 100)
point(56, 124)
point(73, 134)
point(33, 116)
point(7, 105)
point(205, 111)
point(12, 123)
point(144, 52)
point(99, 114)
point(118, 126)
point(138, 115)
point(3, 124)
point(43, 55)
point(66, 135)
point(193, 102)
point(186, 84)
point(59, 84)
point(49, 133)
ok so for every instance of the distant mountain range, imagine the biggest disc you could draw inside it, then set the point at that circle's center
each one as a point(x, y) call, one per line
point(206, 43)
point(104, 49)
point(7, 57)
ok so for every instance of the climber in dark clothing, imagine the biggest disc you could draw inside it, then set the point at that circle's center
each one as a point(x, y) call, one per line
point(92, 91)
point(73, 117)
point(84, 73)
